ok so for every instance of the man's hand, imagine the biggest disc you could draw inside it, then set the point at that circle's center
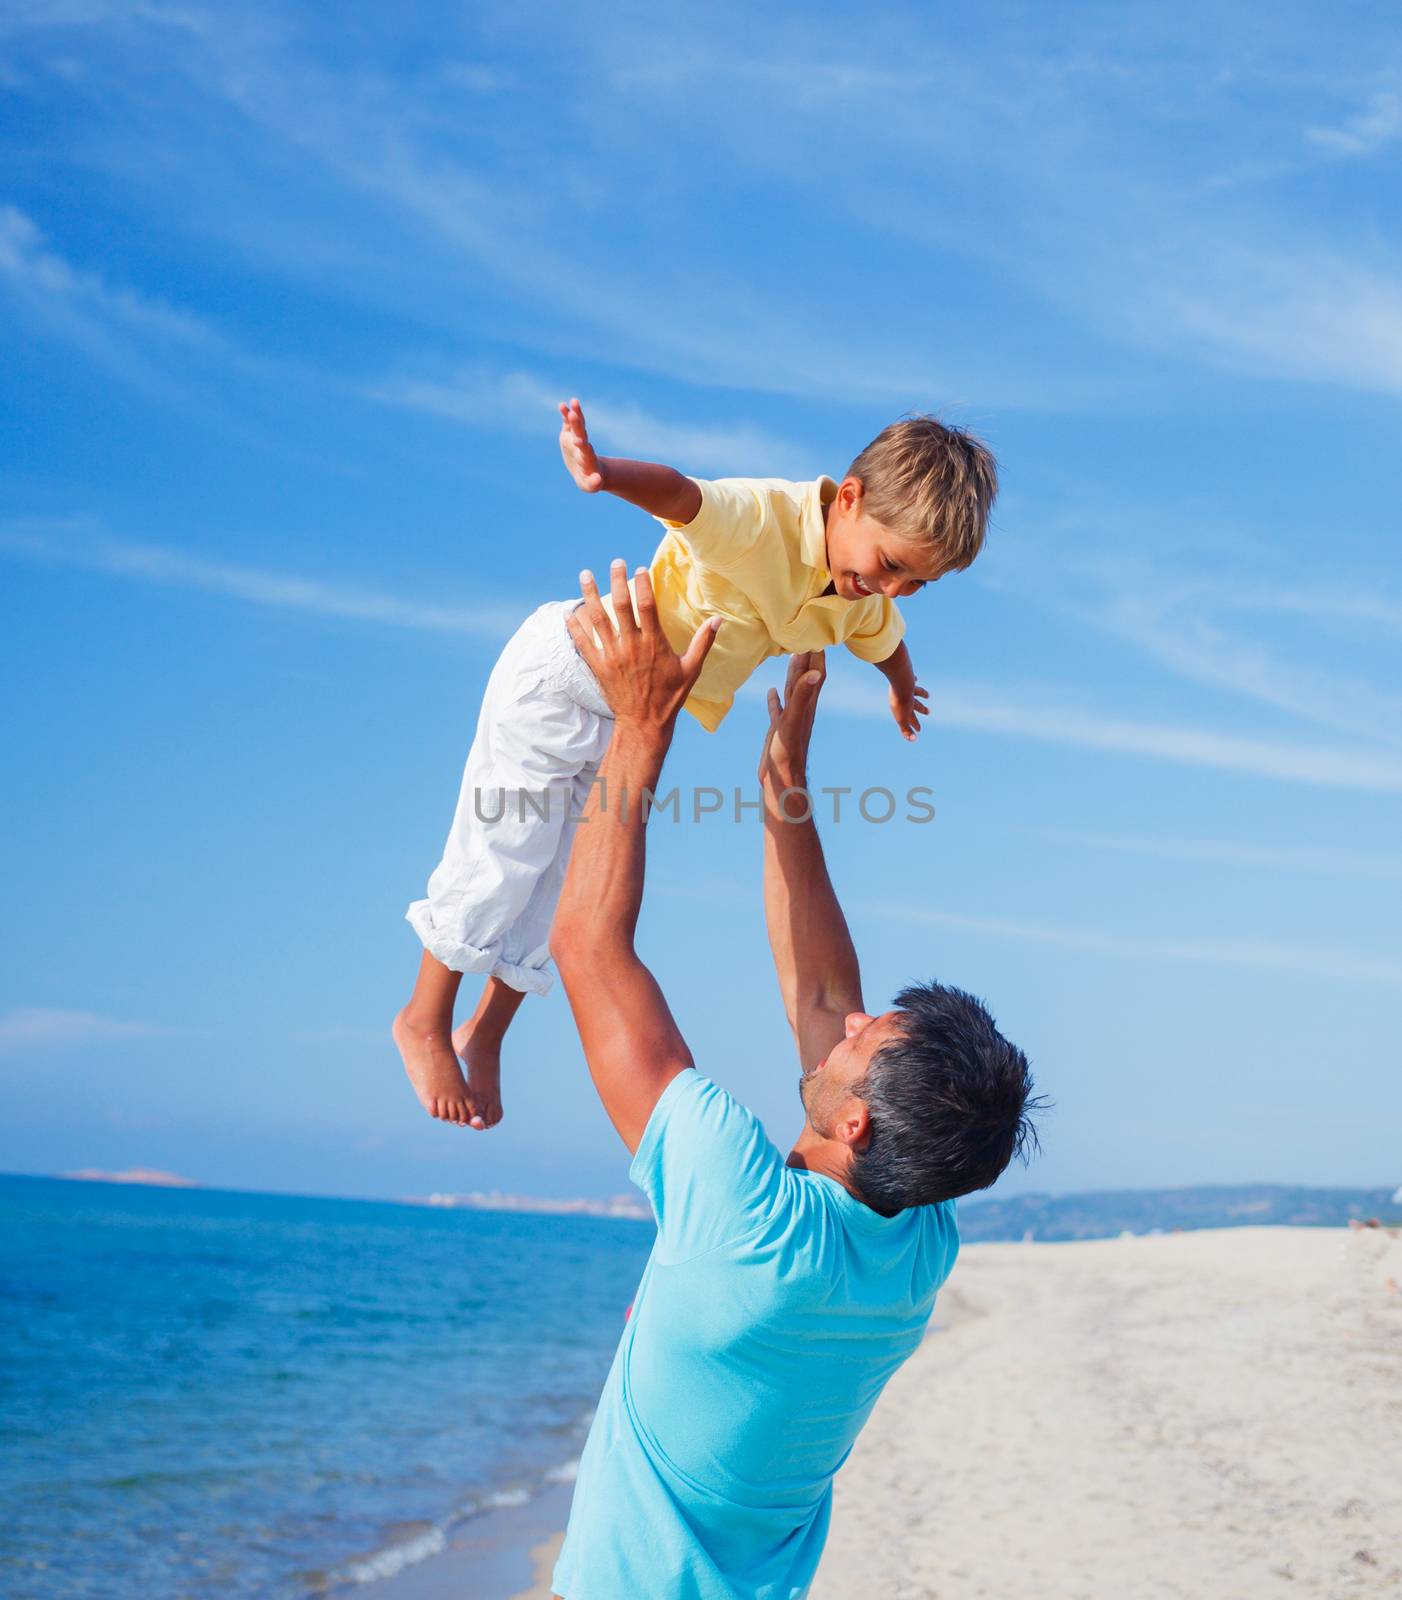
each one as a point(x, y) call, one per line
point(581, 463)
point(631, 1042)
point(643, 679)
point(783, 762)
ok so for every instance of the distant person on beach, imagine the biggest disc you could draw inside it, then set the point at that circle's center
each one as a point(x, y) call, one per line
point(781, 1294)
point(789, 567)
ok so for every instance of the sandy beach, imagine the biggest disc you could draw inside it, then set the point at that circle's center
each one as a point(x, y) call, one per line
point(1206, 1414)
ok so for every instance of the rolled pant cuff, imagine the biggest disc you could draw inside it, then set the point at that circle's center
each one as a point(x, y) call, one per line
point(459, 956)
point(442, 946)
point(529, 980)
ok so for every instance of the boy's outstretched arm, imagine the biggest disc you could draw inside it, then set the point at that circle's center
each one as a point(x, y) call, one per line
point(631, 1042)
point(909, 702)
point(660, 491)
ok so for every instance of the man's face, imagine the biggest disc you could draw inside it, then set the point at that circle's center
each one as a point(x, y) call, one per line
point(825, 1088)
point(865, 557)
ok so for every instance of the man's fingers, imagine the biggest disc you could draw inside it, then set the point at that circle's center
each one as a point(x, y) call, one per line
point(805, 691)
point(646, 603)
point(588, 624)
point(583, 639)
point(622, 597)
point(699, 648)
point(595, 616)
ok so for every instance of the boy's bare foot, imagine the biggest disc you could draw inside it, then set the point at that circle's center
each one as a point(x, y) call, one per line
point(482, 1057)
point(435, 1074)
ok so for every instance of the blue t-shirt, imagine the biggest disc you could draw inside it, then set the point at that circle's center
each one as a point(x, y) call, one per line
point(771, 1313)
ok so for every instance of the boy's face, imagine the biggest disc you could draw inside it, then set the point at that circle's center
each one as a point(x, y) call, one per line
point(866, 558)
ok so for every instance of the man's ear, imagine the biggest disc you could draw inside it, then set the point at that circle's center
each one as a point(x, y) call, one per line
point(852, 1125)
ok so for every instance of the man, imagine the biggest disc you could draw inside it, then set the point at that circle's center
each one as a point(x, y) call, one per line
point(780, 1295)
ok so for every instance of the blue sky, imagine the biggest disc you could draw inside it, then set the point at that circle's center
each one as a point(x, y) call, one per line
point(286, 297)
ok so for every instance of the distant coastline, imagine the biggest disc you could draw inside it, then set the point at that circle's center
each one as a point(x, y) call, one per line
point(153, 1177)
point(626, 1206)
point(1087, 1214)
point(1104, 1213)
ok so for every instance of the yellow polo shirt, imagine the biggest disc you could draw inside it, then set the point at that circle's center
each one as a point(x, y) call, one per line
point(756, 555)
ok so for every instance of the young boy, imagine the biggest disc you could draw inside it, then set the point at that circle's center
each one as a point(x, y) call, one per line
point(788, 567)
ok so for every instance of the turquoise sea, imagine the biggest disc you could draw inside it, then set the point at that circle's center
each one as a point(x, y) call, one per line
point(216, 1394)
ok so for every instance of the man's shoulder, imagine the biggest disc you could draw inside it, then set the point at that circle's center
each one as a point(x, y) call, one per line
point(706, 1164)
point(693, 1103)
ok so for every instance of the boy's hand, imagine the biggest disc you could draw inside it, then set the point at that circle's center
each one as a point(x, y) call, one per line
point(909, 702)
point(580, 461)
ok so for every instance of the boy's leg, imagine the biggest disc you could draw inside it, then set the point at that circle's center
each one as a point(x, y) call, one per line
point(531, 741)
point(423, 1031)
point(525, 950)
point(478, 1043)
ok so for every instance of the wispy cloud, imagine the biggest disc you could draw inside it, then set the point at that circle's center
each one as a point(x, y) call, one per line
point(1363, 134)
point(1103, 137)
point(1282, 310)
point(81, 305)
point(1324, 602)
point(1173, 626)
point(45, 1028)
point(1329, 863)
point(518, 254)
point(524, 403)
point(79, 544)
point(974, 707)
point(1079, 171)
point(980, 710)
point(1263, 955)
point(1203, 627)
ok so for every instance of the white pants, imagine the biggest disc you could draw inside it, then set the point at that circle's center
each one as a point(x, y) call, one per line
point(541, 734)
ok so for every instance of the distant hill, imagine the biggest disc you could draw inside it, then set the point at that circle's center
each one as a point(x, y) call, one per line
point(1103, 1213)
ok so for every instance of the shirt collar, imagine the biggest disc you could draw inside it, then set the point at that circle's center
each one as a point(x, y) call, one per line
point(813, 537)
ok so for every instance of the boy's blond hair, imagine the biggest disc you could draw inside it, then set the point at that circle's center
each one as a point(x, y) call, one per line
point(930, 482)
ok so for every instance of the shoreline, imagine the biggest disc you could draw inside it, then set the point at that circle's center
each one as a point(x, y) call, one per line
point(504, 1553)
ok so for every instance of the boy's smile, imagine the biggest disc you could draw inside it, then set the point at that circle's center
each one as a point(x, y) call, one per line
point(866, 558)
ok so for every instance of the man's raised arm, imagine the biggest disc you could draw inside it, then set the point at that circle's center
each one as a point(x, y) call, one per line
point(630, 1039)
point(814, 958)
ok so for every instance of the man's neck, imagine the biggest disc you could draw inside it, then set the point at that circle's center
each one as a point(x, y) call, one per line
point(813, 1153)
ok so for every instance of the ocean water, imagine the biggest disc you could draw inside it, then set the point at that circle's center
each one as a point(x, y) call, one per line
point(214, 1394)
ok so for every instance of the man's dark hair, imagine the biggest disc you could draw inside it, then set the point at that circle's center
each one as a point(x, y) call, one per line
point(949, 1101)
